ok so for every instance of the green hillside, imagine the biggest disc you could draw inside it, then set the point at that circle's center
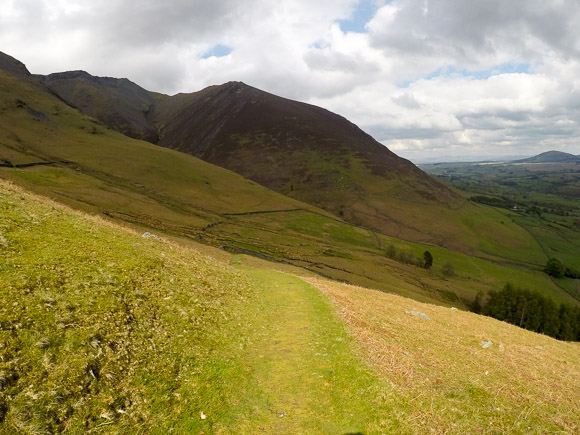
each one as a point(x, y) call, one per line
point(100, 326)
point(104, 330)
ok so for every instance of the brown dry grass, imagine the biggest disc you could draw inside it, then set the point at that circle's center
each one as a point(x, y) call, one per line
point(447, 382)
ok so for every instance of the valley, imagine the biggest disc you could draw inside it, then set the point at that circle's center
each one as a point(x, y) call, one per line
point(540, 194)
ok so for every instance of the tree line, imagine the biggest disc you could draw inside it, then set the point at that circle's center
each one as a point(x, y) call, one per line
point(532, 311)
point(493, 201)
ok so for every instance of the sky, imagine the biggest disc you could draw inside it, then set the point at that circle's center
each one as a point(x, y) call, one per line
point(433, 80)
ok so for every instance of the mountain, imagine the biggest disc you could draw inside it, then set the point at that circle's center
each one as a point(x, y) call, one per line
point(551, 157)
point(294, 148)
point(297, 149)
point(223, 124)
point(55, 150)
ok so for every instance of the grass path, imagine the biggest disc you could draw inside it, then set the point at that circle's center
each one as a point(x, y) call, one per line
point(304, 375)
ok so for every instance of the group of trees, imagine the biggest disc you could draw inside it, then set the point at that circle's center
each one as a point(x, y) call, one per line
point(426, 262)
point(531, 310)
point(410, 258)
point(555, 268)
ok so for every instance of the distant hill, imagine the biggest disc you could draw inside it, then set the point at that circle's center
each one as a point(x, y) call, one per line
point(551, 157)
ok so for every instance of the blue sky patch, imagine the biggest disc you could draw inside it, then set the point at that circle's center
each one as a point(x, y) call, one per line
point(510, 68)
point(506, 68)
point(451, 71)
point(363, 13)
point(218, 51)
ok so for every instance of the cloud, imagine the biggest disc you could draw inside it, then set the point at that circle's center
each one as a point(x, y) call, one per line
point(477, 34)
point(491, 77)
point(422, 76)
point(407, 100)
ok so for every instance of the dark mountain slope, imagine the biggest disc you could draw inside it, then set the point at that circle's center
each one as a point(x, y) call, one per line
point(213, 122)
point(220, 123)
point(303, 151)
point(118, 103)
point(551, 157)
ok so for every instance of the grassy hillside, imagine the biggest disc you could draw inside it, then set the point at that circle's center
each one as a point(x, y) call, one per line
point(105, 331)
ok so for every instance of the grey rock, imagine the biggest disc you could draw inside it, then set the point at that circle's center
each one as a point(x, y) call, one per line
point(485, 344)
point(418, 314)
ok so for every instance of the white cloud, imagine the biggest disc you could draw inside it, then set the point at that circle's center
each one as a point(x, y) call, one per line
point(407, 100)
point(445, 76)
